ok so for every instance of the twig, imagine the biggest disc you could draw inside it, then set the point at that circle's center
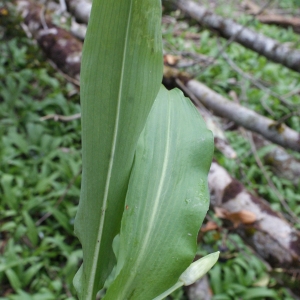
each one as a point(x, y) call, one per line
point(61, 118)
point(232, 38)
point(287, 116)
point(292, 93)
point(196, 59)
point(254, 81)
point(294, 217)
point(43, 19)
point(26, 30)
point(265, 105)
point(62, 197)
point(66, 76)
point(67, 290)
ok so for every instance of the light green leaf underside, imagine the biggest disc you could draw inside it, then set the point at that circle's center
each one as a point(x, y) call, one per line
point(166, 201)
point(120, 77)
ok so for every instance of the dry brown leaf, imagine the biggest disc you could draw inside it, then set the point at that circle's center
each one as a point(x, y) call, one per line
point(171, 60)
point(241, 217)
point(221, 212)
point(237, 218)
point(210, 225)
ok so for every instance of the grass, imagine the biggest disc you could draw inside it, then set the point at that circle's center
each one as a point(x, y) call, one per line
point(40, 163)
point(38, 159)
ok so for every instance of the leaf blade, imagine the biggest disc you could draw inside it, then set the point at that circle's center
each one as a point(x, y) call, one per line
point(166, 201)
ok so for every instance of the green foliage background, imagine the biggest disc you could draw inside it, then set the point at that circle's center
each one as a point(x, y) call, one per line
point(37, 161)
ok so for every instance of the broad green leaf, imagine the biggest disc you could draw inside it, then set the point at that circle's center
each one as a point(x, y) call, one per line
point(166, 201)
point(31, 272)
point(120, 78)
point(13, 279)
point(259, 293)
point(216, 280)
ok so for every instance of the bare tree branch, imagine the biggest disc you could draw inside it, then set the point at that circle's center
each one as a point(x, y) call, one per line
point(254, 81)
point(277, 133)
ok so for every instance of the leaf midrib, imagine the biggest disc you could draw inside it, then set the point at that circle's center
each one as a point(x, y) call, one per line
point(111, 162)
point(154, 210)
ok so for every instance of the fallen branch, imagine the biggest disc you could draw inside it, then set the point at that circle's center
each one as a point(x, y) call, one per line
point(274, 239)
point(227, 28)
point(271, 130)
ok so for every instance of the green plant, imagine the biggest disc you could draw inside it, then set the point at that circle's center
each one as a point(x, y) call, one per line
point(144, 190)
point(37, 160)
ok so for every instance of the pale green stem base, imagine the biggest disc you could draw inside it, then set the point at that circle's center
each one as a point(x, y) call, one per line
point(169, 291)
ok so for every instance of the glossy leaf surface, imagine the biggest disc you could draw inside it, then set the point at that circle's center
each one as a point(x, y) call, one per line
point(166, 202)
point(120, 77)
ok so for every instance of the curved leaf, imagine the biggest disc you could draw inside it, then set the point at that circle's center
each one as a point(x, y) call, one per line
point(120, 77)
point(166, 202)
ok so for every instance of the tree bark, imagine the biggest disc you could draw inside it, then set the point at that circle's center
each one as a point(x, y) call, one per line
point(272, 237)
point(276, 133)
point(227, 28)
point(59, 45)
point(81, 9)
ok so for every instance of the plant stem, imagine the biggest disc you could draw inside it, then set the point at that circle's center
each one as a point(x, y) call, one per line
point(169, 291)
